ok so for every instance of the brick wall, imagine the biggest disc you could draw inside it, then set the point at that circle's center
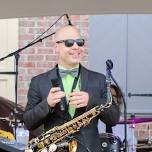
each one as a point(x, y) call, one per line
point(143, 131)
point(41, 57)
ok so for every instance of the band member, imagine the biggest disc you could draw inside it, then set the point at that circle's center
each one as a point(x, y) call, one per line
point(69, 90)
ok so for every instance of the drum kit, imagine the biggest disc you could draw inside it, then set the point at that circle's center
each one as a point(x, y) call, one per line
point(10, 119)
point(9, 115)
point(110, 142)
point(8, 134)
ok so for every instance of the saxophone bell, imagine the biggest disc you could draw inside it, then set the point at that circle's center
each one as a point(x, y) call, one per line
point(73, 146)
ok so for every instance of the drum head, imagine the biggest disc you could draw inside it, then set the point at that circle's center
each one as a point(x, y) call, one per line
point(110, 143)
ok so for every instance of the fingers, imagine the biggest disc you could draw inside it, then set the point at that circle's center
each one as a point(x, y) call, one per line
point(55, 89)
point(55, 96)
point(79, 99)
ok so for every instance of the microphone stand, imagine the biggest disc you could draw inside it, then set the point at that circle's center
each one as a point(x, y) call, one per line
point(125, 114)
point(17, 56)
point(28, 45)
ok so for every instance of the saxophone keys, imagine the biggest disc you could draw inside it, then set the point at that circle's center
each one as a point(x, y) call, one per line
point(52, 147)
point(28, 150)
point(43, 150)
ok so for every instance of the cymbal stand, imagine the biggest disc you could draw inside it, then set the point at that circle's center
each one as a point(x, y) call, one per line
point(17, 56)
point(125, 115)
point(133, 147)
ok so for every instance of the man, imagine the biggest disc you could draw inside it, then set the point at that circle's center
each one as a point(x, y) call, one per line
point(80, 92)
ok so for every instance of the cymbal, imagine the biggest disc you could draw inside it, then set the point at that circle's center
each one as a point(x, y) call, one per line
point(135, 120)
point(4, 118)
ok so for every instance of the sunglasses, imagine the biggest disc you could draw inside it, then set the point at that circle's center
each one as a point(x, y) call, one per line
point(70, 42)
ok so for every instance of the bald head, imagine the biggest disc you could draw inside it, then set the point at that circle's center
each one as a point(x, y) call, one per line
point(67, 32)
point(68, 55)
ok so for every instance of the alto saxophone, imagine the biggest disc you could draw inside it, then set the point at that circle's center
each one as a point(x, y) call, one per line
point(49, 139)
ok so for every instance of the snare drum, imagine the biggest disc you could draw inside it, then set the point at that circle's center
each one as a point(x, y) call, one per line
point(110, 143)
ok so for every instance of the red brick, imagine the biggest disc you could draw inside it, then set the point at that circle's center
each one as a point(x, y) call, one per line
point(150, 125)
point(26, 23)
point(41, 23)
point(36, 71)
point(35, 57)
point(74, 17)
point(141, 126)
point(44, 64)
point(143, 134)
point(27, 64)
point(45, 51)
point(22, 91)
point(49, 44)
point(23, 78)
point(28, 51)
point(26, 37)
point(51, 57)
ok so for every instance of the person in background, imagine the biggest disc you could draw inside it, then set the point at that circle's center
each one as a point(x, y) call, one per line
point(69, 90)
point(117, 99)
point(118, 130)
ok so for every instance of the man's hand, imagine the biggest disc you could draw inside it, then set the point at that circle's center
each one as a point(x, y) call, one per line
point(55, 96)
point(79, 99)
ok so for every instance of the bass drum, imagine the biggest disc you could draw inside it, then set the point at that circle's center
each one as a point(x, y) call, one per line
point(110, 143)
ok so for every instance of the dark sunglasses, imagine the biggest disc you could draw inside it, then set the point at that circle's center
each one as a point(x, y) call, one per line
point(70, 42)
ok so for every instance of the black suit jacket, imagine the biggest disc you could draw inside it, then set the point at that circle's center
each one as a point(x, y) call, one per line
point(38, 112)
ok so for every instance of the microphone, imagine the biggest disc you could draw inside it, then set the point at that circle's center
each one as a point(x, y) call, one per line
point(55, 83)
point(69, 21)
point(109, 64)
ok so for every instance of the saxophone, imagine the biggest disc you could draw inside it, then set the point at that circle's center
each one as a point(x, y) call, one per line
point(47, 141)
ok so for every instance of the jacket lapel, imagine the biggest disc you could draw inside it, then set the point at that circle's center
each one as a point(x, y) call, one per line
point(84, 78)
point(52, 74)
